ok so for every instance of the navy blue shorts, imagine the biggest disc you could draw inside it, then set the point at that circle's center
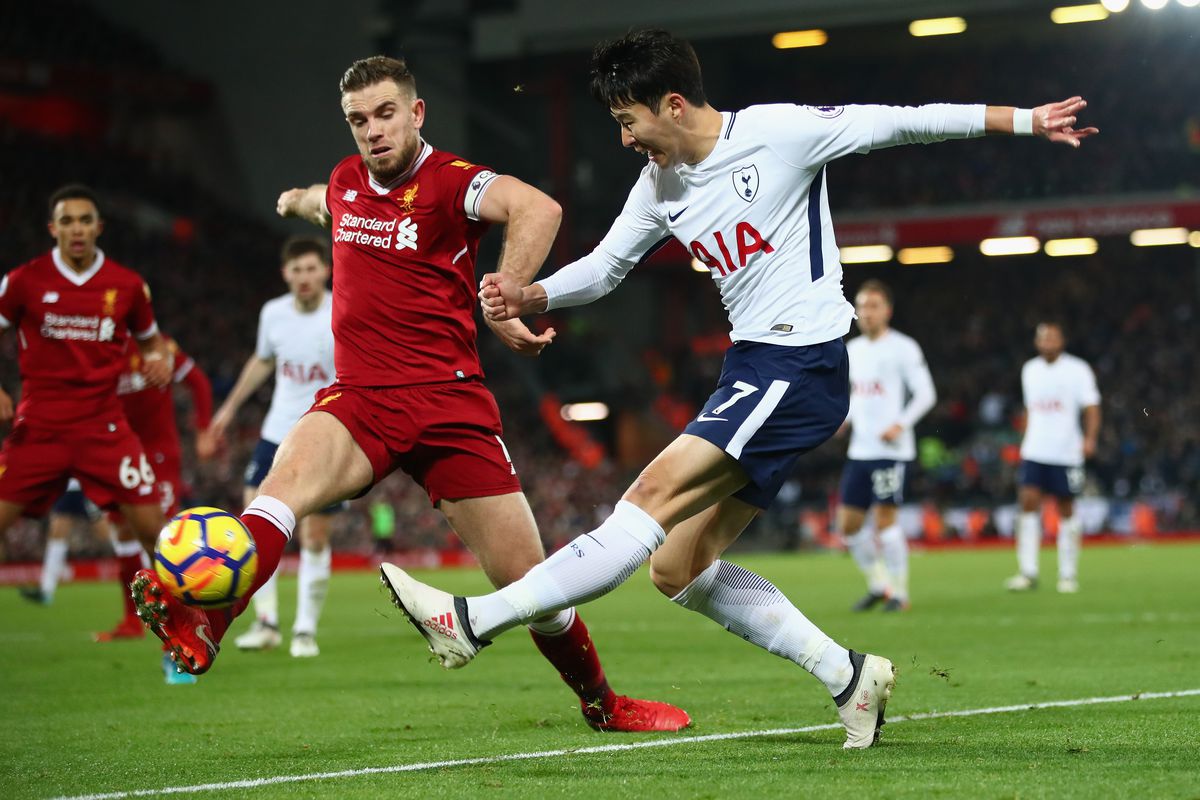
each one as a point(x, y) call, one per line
point(73, 503)
point(865, 483)
point(260, 465)
point(1053, 479)
point(773, 404)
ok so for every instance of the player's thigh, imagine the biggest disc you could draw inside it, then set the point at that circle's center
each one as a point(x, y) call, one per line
point(9, 513)
point(1029, 498)
point(144, 521)
point(318, 463)
point(690, 475)
point(693, 545)
point(500, 531)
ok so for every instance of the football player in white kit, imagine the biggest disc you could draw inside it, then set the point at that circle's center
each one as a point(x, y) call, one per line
point(295, 342)
point(886, 367)
point(1058, 388)
point(746, 193)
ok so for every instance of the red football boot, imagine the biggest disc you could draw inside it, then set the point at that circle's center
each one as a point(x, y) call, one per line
point(630, 715)
point(127, 628)
point(184, 630)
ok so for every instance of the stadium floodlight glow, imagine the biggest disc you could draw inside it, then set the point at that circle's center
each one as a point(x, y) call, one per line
point(1154, 5)
point(1071, 247)
point(1189, 3)
point(941, 26)
point(866, 254)
point(699, 266)
point(925, 255)
point(1153, 237)
point(1194, 238)
point(786, 40)
point(1010, 246)
point(1115, 6)
point(1065, 15)
point(584, 412)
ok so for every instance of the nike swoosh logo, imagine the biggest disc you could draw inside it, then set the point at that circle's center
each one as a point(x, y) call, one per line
point(706, 418)
point(677, 214)
point(203, 636)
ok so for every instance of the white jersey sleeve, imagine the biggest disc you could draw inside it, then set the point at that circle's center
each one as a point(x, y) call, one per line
point(633, 237)
point(262, 346)
point(1089, 393)
point(809, 136)
point(918, 381)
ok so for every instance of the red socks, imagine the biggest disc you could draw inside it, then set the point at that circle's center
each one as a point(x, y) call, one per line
point(574, 656)
point(267, 523)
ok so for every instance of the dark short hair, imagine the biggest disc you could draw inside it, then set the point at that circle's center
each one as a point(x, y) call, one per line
point(376, 69)
point(301, 246)
point(72, 191)
point(878, 286)
point(644, 67)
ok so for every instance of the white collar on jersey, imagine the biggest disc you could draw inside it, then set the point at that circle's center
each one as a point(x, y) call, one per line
point(426, 150)
point(77, 278)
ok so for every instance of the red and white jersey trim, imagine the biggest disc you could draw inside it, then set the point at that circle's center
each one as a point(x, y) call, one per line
point(77, 278)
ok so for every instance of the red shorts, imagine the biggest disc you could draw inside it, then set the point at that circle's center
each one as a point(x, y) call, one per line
point(446, 436)
point(168, 470)
point(110, 464)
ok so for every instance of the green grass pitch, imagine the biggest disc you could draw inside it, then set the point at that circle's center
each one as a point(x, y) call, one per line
point(80, 718)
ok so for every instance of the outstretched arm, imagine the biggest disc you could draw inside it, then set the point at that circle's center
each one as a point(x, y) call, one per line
point(307, 204)
point(530, 220)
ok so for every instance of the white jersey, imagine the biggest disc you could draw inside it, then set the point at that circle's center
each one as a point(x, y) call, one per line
point(301, 343)
point(756, 212)
point(889, 384)
point(1055, 395)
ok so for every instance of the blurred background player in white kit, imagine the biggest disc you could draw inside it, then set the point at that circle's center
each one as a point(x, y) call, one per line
point(1058, 388)
point(72, 509)
point(890, 390)
point(295, 342)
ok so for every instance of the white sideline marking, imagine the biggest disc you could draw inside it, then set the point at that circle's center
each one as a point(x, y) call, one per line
point(253, 783)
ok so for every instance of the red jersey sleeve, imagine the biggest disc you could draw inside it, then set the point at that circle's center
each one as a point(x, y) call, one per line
point(12, 302)
point(141, 315)
point(199, 387)
point(468, 182)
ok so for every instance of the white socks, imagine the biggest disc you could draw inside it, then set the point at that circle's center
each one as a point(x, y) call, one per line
point(555, 625)
point(1070, 534)
point(1029, 540)
point(313, 586)
point(865, 550)
point(53, 563)
point(894, 547)
point(588, 567)
point(751, 607)
point(266, 601)
point(274, 511)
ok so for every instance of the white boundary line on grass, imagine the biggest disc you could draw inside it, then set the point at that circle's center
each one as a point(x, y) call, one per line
point(254, 783)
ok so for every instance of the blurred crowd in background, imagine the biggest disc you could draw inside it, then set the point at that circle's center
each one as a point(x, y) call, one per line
point(1130, 312)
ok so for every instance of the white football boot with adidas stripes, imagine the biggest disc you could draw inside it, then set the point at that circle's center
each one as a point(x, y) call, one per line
point(439, 616)
point(862, 704)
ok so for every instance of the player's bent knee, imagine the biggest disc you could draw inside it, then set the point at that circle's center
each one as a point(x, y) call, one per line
point(670, 577)
point(648, 491)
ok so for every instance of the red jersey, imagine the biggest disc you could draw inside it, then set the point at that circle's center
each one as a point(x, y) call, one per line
point(404, 271)
point(151, 409)
point(72, 330)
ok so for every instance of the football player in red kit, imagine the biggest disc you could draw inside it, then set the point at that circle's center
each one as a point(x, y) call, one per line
point(151, 413)
point(74, 309)
point(406, 221)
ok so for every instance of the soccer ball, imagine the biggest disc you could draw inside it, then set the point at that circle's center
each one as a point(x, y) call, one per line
point(206, 557)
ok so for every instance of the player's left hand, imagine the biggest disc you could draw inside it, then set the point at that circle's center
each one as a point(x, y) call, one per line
point(158, 368)
point(1089, 448)
point(892, 433)
point(520, 339)
point(1055, 121)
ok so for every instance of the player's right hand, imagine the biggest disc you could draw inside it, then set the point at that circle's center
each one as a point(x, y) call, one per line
point(6, 406)
point(207, 445)
point(288, 204)
point(500, 297)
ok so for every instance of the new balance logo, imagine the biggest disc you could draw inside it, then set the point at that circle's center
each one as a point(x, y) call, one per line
point(443, 624)
point(350, 195)
point(50, 297)
point(406, 234)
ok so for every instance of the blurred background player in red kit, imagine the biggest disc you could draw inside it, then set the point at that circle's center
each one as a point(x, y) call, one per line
point(406, 221)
